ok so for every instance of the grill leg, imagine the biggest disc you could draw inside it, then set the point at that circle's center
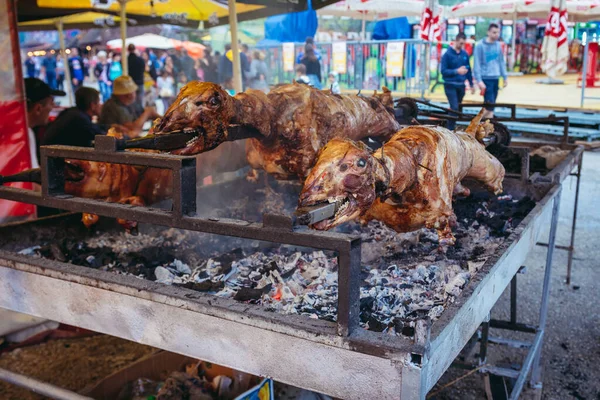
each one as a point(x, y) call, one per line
point(513, 300)
point(536, 380)
point(485, 330)
point(572, 244)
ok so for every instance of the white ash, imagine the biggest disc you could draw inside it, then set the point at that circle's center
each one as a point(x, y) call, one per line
point(30, 251)
point(404, 276)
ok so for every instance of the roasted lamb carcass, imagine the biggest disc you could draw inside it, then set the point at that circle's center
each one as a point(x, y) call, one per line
point(293, 122)
point(408, 183)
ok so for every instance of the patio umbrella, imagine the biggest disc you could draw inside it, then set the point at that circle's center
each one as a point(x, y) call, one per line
point(85, 20)
point(578, 10)
point(373, 10)
point(153, 41)
point(148, 40)
point(555, 47)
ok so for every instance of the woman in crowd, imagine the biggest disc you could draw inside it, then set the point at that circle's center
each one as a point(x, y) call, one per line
point(166, 87)
point(150, 77)
point(60, 73)
point(149, 69)
point(101, 72)
point(258, 77)
point(313, 66)
point(170, 67)
point(116, 69)
point(199, 70)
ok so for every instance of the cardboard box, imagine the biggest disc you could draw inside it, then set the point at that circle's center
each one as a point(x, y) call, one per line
point(158, 367)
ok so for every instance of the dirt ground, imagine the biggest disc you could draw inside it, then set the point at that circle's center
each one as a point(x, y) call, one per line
point(571, 353)
point(69, 363)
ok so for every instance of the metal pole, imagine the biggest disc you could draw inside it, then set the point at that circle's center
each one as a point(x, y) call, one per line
point(39, 387)
point(364, 29)
point(513, 57)
point(63, 50)
point(237, 67)
point(513, 300)
point(536, 372)
point(584, 71)
point(123, 16)
point(572, 244)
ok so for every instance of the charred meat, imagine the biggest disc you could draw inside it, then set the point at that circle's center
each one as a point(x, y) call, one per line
point(407, 184)
point(293, 122)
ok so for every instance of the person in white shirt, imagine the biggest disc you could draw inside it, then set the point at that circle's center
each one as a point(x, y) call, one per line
point(40, 100)
point(334, 86)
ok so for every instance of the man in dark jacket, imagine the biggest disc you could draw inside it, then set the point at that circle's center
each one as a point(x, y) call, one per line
point(225, 69)
point(136, 67)
point(187, 65)
point(456, 71)
point(73, 126)
point(76, 67)
point(209, 66)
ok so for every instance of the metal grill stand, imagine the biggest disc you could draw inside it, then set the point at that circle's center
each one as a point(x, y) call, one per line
point(359, 363)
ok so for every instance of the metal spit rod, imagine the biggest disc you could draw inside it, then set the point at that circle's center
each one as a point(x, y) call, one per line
point(40, 387)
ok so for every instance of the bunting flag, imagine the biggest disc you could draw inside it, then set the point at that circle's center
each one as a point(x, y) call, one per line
point(555, 47)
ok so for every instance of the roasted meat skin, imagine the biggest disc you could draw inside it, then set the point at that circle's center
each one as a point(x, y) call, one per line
point(295, 121)
point(407, 184)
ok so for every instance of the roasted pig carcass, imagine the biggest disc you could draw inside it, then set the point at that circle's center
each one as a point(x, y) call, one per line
point(292, 122)
point(408, 183)
point(117, 183)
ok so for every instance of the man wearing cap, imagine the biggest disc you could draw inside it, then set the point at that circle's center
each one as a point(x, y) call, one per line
point(40, 100)
point(117, 111)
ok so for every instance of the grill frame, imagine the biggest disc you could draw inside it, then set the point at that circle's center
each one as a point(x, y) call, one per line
point(360, 363)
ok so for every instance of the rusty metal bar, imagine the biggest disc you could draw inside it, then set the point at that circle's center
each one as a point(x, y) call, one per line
point(574, 224)
point(513, 300)
point(349, 289)
point(156, 160)
point(485, 331)
point(536, 373)
point(507, 325)
point(40, 387)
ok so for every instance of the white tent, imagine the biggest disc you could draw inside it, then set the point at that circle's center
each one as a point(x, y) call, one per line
point(578, 10)
point(147, 40)
point(373, 10)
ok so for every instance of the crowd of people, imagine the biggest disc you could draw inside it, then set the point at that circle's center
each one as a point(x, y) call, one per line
point(159, 75)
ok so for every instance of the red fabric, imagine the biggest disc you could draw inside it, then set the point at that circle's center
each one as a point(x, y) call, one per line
point(426, 21)
point(14, 153)
point(557, 25)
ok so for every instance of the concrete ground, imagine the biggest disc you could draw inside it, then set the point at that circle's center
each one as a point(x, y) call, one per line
point(523, 90)
point(571, 352)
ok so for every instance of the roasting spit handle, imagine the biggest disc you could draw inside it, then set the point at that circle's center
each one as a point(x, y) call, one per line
point(29, 175)
point(312, 215)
